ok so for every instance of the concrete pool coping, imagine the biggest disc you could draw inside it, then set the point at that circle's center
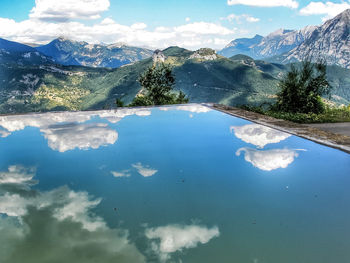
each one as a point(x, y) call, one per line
point(321, 134)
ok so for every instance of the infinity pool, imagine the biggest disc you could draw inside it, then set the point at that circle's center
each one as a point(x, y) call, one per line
point(168, 184)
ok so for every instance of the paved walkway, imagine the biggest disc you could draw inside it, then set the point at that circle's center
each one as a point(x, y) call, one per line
point(342, 128)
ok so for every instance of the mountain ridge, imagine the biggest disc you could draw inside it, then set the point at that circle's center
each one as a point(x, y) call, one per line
point(202, 75)
point(273, 44)
point(17, 53)
point(80, 53)
point(329, 42)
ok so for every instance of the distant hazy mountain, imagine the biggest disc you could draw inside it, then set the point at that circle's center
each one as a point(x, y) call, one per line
point(203, 75)
point(13, 52)
point(330, 42)
point(276, 43)
point(243, 46)
point(69, 52)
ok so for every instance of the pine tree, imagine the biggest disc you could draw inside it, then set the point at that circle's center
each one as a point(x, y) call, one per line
point(302, 88)
point(157, 83)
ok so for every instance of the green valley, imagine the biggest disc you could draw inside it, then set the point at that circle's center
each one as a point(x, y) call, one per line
point(202, 75)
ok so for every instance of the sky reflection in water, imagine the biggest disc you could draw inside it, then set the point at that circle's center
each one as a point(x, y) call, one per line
point(169, 184)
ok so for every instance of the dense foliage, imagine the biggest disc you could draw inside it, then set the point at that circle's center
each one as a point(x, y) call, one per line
point(157, 83)
point(302, 88)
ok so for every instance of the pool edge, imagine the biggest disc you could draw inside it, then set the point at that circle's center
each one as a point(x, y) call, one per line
point(337, 141)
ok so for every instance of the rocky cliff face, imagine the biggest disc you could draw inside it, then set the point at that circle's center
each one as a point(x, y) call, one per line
point(281, 41)
point(329, 42)
point(204, 54)
point(158, 56)
point(68, 52)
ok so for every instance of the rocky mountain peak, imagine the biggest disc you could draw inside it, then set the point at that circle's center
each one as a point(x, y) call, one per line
point(329, 42)
point(278, 33)
point(158, 56)
point(62, 39)
point(116, 45)
point(345, 15)
point(204, 54)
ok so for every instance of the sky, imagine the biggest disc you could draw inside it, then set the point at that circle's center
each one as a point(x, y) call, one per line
point(191, 24)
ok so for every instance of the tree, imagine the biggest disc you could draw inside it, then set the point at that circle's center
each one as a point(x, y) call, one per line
point(302, 88)
point(157, 82)
point(119, 102)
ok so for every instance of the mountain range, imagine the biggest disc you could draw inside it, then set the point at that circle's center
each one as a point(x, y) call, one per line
point(71, 75)
point(68, 52)
point(329, 42)
point(19, 54)
point(260, 47)
point(203, 75)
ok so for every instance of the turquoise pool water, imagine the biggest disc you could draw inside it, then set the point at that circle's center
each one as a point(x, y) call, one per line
point(169, 184)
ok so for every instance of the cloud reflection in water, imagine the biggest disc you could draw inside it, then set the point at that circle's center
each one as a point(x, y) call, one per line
point(174, 238)
point(258, 135)
point(67, 131)
point(57, 226)
point(66, 137)
point(268, 160)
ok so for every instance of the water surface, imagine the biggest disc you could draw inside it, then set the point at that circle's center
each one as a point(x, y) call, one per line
point(168, 184)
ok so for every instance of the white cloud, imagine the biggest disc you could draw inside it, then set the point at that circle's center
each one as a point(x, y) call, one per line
point(66, 137)
point(4, 133)
point(241, 18)
point(176, 237)
point(194, 108)
point(204, 28)
point(66, 203)
point(17, 174)
point(19, 122)
point(138, 26)
point(65, 223)
point(220, 41)
point(187, 19)
point(107, 21)
point(114, 116)
point(13, 204)
point(76, 206)
point(270, 159)
point(258, 135)
point(191, 35)
point(266, 3)
point(65, 130)
point(144, 170)
point(125, 173)
point(329, 9)
point(64, 10)
point(70, 204)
